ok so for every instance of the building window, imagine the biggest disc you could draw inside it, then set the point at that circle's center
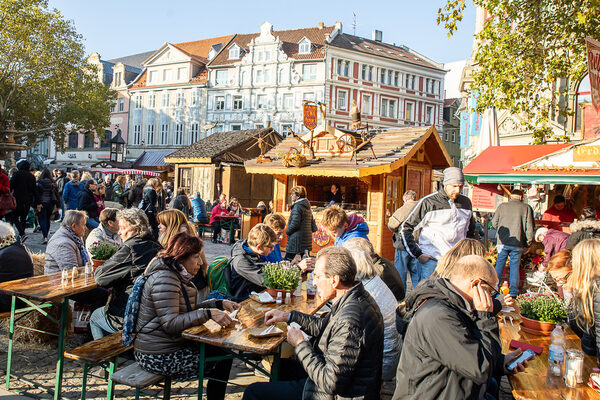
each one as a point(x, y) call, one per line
point(185, 179)
point(259, 76)
point(446, 136)
point(288, 101)
point(73, 140)
point(408, 113)
point(267, 56)
point(453, 162)
point(261, 101)
point(285, 129)
point(371, 74)
point(340, 66)
point(236, 127)
point(120, 104)
point(342, 100)
point(138, 101)
point(238, 103)
point(112, 108)
point(165, 99)
point(304, 47)
point(179, 134)
point(220, 103)
point(194, 132)
point(453, 137)
point(267, 75)
point(152, 100)
point(396, 79)
point(181, 74)
point(167, 75)
point(366, 104)
point(410, 82)
point(429, 115)
point(382, 75)
point(117, 80)
point(364, 72)
point(221, 77)
point(164, 134)
point(105, 143)
point(347, 68)
point(234, 53)
point(195, 100)
point(88, 141)
point(388, 108)
point(180, 99)
point(137, 134)
point(150, 134)
point(309, 72)
point(308, 96)
point(152, 77)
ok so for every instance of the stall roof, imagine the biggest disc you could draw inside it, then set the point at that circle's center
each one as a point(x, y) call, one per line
point(393, 149)
point(153, 158)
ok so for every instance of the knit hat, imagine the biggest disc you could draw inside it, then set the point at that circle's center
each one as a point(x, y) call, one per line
point(540, 232)
point(453, 176)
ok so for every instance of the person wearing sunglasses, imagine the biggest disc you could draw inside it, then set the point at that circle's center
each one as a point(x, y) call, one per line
point(559, 267)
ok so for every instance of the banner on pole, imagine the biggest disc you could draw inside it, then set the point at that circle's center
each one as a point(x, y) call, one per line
point(465, 120)
point(593, 56)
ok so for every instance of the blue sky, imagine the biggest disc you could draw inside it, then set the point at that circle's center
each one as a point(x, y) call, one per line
point(119, 28)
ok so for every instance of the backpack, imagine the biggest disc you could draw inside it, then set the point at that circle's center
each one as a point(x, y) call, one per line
point(216, 275)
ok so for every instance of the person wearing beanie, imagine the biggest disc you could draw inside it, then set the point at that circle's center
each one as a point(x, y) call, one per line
point(444, 218)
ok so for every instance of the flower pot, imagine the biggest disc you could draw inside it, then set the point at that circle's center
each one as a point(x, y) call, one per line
point(537, 327)
point(273, 293)
point(97, 263)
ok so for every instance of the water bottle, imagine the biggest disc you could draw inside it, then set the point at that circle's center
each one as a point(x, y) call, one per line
point(306, 255)
point(279, 299)
point(556, 351)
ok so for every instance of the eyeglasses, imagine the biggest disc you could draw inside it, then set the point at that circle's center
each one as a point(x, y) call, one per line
point(493, 292)
point(563, 280)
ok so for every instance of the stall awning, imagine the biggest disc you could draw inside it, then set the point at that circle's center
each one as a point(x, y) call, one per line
point(122, 171)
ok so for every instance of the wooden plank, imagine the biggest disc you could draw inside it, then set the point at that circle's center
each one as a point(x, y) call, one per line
point(252, 315)
point(48, 288)
point(100, 350)
point(534, 382)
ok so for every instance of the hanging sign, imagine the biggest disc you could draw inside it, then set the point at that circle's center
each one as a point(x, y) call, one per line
point(475, 125)
point(465, 121)
point(593, 56)
point(310, 116)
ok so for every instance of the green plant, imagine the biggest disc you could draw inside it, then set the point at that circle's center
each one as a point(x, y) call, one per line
point(542, 307)
point(281, 275)
point(103, 250)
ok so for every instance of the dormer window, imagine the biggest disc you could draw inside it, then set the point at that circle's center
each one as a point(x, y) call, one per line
point(117, 79)
point(304, 46)
point(234, 52)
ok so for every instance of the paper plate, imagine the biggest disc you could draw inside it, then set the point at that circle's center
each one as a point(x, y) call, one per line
point(256, 333)
point(255, 298)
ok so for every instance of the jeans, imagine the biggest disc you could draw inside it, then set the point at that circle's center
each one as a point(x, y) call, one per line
point(290, 385)
point(44, 218)
point(99, 324)
point(62, 208)
point(405, 263)
point(92, 223)
point(425, 269)
point(515, 261)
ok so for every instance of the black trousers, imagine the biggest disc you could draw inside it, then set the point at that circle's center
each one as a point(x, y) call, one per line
point(292, 378)
point(19, 218)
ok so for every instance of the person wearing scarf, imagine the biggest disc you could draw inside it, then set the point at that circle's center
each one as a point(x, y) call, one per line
point(15, 261)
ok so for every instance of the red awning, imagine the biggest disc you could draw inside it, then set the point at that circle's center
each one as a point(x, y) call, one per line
point(122, 171)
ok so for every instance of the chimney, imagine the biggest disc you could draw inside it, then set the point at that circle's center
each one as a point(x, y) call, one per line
point(377, 35)
point(320, 25)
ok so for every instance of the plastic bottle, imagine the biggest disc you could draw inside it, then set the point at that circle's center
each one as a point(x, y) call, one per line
point(306, 255)
point(556, 351)
point(504, 289)
point(288, 298)
point(279, 299)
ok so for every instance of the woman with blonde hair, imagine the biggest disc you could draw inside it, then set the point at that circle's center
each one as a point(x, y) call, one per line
point(464, 247)
point(584, 284)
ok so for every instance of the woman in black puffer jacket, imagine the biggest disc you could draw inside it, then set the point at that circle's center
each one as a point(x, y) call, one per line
point(48, 195)
point(168, 307)
point(301, 224)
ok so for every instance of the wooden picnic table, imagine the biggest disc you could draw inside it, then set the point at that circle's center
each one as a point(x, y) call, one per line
point(39, 293)
point(535, 382)
point(237, 344)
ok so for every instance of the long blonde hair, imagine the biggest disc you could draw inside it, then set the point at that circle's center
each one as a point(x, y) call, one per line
point(464, 247)
point(175, 221)
point(585, 260)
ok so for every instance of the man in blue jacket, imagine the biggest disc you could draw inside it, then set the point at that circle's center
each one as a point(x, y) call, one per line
point(71, 191)
point(343, 226)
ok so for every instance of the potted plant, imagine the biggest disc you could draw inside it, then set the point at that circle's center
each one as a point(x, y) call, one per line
point(102, 251)
point(282, 277)
point(541, 312)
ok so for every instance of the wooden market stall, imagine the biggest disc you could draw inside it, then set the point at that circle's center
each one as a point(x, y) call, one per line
point(215, 165)
point(373, 171)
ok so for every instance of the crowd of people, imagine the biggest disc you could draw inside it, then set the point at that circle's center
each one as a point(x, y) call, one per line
point(437, 339)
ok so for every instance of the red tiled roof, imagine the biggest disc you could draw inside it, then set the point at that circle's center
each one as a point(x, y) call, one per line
point(289, 39)
point(449, 102)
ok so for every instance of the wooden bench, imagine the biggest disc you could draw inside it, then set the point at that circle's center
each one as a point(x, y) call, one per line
point(202, 228)
point(135, 376)
point(99, 352)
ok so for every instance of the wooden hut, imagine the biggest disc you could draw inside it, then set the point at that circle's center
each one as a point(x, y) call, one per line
point(215, 165)
point(373, 177)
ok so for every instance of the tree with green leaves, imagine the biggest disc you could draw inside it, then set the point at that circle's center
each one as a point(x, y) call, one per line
point(46, 86)
point(529, 54)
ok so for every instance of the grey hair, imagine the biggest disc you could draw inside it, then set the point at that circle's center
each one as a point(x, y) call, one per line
point(362, 244)
point(339, 262)
point(137, 219)
point(365, 268)
point(73, 217)
point(6, 230)
point(409, 195)
point(75, 173)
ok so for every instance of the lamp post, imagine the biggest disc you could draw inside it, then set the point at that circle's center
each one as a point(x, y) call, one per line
point(117, 148)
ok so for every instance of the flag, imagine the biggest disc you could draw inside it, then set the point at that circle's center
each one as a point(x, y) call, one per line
point(465, 120)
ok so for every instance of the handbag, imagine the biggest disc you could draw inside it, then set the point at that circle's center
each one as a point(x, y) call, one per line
point(7, 202)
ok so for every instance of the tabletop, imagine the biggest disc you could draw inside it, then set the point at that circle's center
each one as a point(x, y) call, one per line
point(534, 382)
point(49, 288)
point(252, 315)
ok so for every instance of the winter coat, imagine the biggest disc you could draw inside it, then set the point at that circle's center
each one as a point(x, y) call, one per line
point(387, 303)
point(120, 272)
point(553, 242)
point(345, 360)
point(71, 194)
point(357, 227)
point(514, 223)
point(450, 350)
point(443, 223)
point(4, 188)
point(300, 228)
point(565, 215)
point(199, 210)
point(149, 201)
point(61, 183)
point(136, 193)
point(181, 203)
point(108, 193)
point(163, 313)
point(100, 199)
point(23, 187)
point(397, 219)
point(217, 211)
point(15, 263)
point(101, 234)
point(87, 203)
point(117, 193)
point(245, 271)
point(46, 191)
point(581, 230)
point(391, 277)
point(61, 252)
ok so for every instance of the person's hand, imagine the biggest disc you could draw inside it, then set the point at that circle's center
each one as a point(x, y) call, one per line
point(308, 264)
point(294, 336)
point(525, 250)
point(296, 260)
point(98, 203)
point(273, 316)
point(220, 317)
point(423, 258)
point(482, 301)
point(512, 356)
point(507, 300)
point(230, 306)
point(39, 208)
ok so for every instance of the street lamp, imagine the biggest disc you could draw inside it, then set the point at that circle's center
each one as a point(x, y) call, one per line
point(117, 147)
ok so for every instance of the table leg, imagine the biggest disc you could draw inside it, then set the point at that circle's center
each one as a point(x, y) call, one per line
point(275, 365)
point(10, 340)
point(84, 382)
point(62, 333)
point(201, 361)
point(111, 384)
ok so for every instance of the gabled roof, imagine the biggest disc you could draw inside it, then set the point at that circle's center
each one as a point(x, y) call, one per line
point(134, 60)
point(381, 49)
point(449, 102)
point(290, 40)
point(153, 158)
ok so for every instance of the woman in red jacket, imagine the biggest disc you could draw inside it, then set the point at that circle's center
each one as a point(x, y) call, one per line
point(4, 188)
